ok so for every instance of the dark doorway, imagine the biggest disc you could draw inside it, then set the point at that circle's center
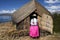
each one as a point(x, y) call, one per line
point(31, 15)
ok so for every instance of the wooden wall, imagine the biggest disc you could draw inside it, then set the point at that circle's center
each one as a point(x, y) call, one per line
point(24, 24)
point(47, 22)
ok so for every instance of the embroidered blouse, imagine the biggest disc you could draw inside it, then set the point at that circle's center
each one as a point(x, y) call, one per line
point(34, 21)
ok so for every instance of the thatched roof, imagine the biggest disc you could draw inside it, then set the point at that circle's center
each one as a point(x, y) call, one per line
point(27, 9)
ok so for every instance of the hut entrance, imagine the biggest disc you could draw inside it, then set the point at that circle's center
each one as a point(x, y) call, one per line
point(34, 29)
point(33, 15)
point(33, 18)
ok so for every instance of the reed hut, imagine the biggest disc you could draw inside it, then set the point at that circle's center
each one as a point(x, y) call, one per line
point(22, 17)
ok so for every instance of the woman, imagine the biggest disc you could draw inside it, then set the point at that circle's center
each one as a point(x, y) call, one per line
point(34, 30)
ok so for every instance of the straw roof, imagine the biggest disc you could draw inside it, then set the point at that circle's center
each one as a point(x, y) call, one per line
point(27, 9)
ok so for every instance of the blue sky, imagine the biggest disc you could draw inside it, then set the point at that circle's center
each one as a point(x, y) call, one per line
point(10, 6)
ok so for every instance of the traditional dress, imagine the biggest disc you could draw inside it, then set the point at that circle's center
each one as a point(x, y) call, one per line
point(34, 30)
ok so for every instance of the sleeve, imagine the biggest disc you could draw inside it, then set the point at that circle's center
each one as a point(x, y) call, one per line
point(31, 22)
point(35, 21)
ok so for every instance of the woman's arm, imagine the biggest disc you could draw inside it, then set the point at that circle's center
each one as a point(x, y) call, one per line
point(35, 21)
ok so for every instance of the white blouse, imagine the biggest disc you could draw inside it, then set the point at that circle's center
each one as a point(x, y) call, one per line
point(34, 21)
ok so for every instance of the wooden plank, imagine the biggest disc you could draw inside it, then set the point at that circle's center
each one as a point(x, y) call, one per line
point(39, 21)
point(20, 25)
point(27, 23)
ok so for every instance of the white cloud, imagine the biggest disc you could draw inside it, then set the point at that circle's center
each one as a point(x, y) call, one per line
point(7, 11)
point(53, 8)
point(52, 1)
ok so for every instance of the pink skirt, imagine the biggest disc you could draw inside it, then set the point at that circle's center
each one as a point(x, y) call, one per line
point(34, 31)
